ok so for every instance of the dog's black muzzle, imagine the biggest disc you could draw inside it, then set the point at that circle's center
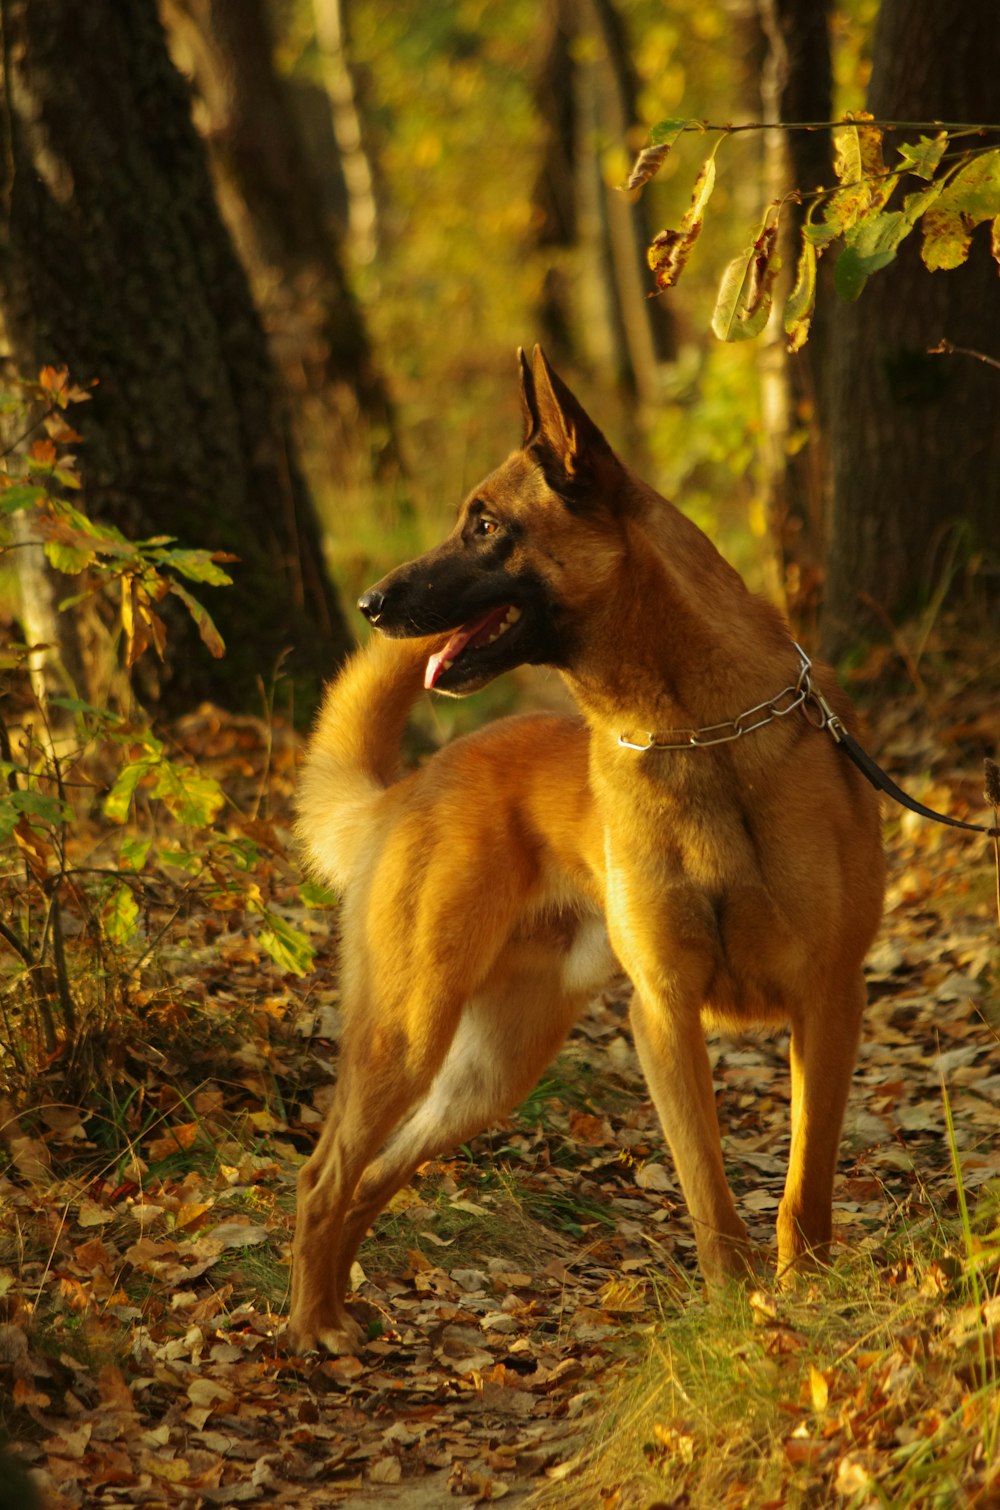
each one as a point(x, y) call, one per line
point(371, 604)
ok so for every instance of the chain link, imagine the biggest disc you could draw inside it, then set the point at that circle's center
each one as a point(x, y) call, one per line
point(785, 702)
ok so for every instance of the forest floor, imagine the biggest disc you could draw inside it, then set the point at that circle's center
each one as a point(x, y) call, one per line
point(517, 1291)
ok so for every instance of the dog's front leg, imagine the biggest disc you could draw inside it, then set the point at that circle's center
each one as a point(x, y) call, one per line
point(670, 1043)
point(824, 1047)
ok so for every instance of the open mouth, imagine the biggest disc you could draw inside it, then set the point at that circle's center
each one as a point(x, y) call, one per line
point(471, 639)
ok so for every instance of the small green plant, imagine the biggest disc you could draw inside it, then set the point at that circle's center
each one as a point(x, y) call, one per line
point(107, 832)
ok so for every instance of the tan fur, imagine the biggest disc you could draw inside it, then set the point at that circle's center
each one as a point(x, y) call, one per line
point(492, 893)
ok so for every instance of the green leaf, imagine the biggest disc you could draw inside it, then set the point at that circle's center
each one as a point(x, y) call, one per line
point(289, 948)
point(873, 243)
point(203, 620)
point(8, 816)
point(314, 895)
point(864, 185)
point(665, 133)
point(191, 797)
point(120, 915)
point(802, 299)
point(971, 196)
point(744, 300)
point(119, 799)
point(42, 806)
point(79, 705)
point(67, 559)
point(849, 275)
point(133, 852)
point(181, 859)
point(40, 809)
point(23, 495)
point(922, 157)
point(197, 566)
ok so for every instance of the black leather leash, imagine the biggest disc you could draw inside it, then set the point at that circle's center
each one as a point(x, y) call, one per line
point(880, 779)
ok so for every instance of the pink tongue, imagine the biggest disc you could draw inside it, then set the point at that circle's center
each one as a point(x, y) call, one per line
point(469, 634)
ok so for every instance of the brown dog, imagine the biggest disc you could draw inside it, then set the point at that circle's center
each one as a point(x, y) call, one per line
point(490, 894)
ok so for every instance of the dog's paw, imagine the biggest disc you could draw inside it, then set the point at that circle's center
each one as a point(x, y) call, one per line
point(344, 1336)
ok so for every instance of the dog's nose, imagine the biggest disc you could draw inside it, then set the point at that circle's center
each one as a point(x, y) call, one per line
point(371, 604)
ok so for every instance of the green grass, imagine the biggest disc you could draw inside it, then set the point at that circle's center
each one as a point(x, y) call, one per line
point(872, 1384)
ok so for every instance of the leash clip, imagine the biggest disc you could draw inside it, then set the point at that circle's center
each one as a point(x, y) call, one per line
point(822, 715)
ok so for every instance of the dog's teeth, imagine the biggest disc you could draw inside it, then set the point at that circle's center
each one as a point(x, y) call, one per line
point(513, 614)
point(446, 665)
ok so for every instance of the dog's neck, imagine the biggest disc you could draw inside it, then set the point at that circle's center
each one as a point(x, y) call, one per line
point(702, 647)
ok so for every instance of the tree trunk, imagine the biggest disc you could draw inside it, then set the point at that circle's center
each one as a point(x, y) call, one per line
point(554, 196)
point(273, 208)
point(345, 118)
point(584, 106)
point(113, 260)
point(796, 85)
point(914, 441)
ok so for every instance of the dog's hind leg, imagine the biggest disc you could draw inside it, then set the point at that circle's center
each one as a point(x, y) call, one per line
point(824, 1047)
point(380, 1080)
point(478, 1085)
point(509, 1032)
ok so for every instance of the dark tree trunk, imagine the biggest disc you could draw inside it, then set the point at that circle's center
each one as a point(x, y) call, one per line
point(797, 85)
point(914, 441)
point(114, 261)
point(583, 106)
point(274, 210)
point(554, 193)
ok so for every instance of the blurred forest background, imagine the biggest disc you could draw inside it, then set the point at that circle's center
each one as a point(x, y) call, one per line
point(412, 191)
point(285, 251)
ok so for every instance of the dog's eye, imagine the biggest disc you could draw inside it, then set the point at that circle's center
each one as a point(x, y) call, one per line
point(486, 526)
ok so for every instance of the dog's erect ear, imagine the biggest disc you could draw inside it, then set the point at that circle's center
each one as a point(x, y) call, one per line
point(558, 429)
point(529, 404)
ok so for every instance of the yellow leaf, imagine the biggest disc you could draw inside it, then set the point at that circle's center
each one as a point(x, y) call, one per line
point(818, 1388)
point(209, 1392)
point(174, 1470)
point(189, 1212)
point(92, 1215)
point(762, 1308)
point(267, 1122)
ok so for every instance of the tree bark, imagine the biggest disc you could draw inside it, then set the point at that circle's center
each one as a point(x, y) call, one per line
point(914, 442)
point(274, 210)
point(345, 118)
point(114, 261)
point(796, 85)
point(583, 105)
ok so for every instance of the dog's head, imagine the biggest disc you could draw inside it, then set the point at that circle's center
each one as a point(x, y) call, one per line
point(532, 542)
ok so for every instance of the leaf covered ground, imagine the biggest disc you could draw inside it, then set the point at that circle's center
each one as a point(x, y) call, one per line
point(537, 1332)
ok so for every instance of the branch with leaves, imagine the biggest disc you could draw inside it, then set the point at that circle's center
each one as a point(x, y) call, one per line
point(37, 481)
point(953, 188)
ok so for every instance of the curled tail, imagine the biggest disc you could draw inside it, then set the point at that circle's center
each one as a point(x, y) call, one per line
point(353, 755)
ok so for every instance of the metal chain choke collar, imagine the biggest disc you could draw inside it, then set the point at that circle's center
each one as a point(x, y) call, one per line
point(798, 695)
